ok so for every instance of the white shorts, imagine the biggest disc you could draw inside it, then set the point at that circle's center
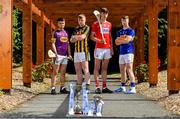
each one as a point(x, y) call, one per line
point(126, 58)
point(61, 60)
point(81, 57)
point(102, 53)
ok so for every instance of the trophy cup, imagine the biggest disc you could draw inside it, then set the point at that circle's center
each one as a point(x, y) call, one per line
point(98, 105)
point(77, 107)
point(85, 99)
point(71, 100)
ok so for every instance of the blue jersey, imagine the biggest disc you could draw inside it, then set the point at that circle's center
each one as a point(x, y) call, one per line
point(126, 48)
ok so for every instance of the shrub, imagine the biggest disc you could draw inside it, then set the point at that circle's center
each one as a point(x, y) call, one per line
point(1, 92)
point(141, 72)
point(42, 71)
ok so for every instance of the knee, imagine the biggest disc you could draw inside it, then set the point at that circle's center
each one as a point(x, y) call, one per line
point(55, 73)
point(63, 75)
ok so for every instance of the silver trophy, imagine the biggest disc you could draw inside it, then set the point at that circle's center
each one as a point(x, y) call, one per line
point(85, 99)
point(77, 107)
point(98, 105)
point(71, 100)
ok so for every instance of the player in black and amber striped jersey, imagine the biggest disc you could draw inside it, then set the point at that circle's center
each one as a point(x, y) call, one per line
point(80, 38)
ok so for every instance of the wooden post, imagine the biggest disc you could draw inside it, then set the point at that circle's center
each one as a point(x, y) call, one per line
point(173, 84)
point(6, 7)
point(153, 42)
point(40, 40)
point(48, 38)
point(141, 39)
point(136, 58)
point(27, 44)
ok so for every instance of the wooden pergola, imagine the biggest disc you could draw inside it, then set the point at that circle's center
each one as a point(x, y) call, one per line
point(45, 13)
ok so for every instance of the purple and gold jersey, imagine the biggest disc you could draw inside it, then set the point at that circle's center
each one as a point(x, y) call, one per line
point(60, 38)
point(126, 48)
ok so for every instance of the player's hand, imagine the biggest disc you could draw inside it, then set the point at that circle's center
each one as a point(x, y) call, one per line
point(83, 36)
point(112, 51)
point(99, 40)
point(70, 58)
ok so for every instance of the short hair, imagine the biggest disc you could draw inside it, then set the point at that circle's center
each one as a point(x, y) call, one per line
point(104, 10)
point(60, 19)
point(125, 17)
point(80, 16)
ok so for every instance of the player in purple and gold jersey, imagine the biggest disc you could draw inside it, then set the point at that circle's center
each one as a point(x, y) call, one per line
point(61, 47)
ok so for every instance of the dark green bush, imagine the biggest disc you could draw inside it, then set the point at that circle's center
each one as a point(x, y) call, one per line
point(42, 71)
point(141, 72)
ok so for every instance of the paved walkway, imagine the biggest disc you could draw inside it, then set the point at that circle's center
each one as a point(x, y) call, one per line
point(116, 106)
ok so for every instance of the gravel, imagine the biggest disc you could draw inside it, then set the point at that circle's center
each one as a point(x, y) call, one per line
point(160, 94)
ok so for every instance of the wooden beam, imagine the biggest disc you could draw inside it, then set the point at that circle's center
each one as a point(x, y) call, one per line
point(91, 1)
point(40, 40)
point(153, 42)
point(173, 84)
point(94, 5)
point(35, 10)
point(27, 44)
point(48, 39)
point(6, 7)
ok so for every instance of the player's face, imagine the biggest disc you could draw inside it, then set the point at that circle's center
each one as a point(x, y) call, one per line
point(82, 21)
point(61, 24)
point(104, 15)
point(125, 22)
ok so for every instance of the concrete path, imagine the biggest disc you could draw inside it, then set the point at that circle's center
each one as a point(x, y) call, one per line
point(119, 105)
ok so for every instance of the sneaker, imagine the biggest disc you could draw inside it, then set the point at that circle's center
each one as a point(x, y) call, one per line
point(131, 91)
point(106, 90)
point(98, 91)
point(63, 90)
point(53, 90)
point(121, 89)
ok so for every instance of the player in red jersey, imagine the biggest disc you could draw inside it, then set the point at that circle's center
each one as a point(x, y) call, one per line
point(103, 51)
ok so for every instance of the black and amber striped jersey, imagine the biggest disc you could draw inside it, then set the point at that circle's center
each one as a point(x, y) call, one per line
point(82, 46)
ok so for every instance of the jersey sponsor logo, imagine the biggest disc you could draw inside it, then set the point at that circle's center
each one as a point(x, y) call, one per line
point(105, 30)
point(63, 39)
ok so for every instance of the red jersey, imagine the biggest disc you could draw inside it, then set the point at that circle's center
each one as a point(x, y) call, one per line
point(106, 28)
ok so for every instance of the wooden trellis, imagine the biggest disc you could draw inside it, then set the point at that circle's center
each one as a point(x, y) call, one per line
point(45, 13)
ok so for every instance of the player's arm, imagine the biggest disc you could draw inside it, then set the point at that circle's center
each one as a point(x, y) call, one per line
point(112, 50)
point(69, 51)
point(94, 38)
point(73, 38)
point(53, 40)
point(85, 34)
point(93, 34)
point(123, 39)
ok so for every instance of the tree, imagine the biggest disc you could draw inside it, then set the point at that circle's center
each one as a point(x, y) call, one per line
point(17, 36)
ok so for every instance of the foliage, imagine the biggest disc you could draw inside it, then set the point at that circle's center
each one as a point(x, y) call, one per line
point(17, 36)
point(42, 71)
point(141, 71)
point(1, 92)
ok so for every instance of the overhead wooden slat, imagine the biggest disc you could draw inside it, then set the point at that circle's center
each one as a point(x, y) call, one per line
point(71, 8)
point(90, 1)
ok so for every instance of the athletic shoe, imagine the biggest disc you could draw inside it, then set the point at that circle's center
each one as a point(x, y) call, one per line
point(53, 90)
point(63, 90)
point(98, 91)
point(106, 90)
point(121, 89)
point(131, 91)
